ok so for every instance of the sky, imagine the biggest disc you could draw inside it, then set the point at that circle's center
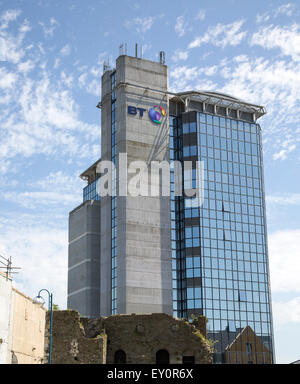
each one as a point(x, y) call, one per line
point(51, 62)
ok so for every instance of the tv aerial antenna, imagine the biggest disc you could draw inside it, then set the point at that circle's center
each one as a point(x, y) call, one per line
point(6, 265)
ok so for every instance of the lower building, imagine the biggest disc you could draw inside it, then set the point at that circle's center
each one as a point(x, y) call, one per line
point(247, 348)
point(22, 326)
point(128, 339)
point(84, 265)
point(6, 315)
point(296, 362)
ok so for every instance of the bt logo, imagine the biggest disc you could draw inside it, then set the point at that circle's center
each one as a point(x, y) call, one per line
point(134, 110)
point(155, 113)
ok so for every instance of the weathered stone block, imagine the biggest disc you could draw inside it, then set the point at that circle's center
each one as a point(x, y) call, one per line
point(135, 338)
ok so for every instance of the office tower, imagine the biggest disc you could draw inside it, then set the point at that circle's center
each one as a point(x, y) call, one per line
point(133, 251)
point(221, 267)
point(157, 253)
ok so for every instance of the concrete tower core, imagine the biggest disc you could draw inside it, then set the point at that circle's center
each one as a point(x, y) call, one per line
point(142, 247)
point(143, 223)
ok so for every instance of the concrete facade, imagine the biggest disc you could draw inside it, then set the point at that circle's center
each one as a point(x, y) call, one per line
point(144, 238)
point(84, 259)
point(6, 318)
point(22, 326)
point(28, 330)
point(131, 339)
point(106, 233)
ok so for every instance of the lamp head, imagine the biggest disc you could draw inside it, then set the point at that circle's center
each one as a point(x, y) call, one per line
point(38, 300)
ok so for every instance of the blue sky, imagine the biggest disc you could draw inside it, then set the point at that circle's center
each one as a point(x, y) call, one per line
point(51, 60)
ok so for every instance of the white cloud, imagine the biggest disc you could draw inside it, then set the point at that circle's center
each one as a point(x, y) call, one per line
point(38, 109)
point(287, 39)
point(39, 250)
point(38, 240)
point(82, 79)
point(50, 28)
point(180, 26)
point(36, 199)
point(32, 122)
point(262, 18)
point(56, 63)
point(141, 24)
point(4, 166)
point(90, 86)
point(274, 84)
point(24, 28)
point(8, 16)
point(283, 153)
point(11, 49)
point(66, 50)
point(286, 312)
point(7, 79)
point(93, 87)
point(37, 124)
point(95, 71)
point(184, 77)
point(179, 55)
point(39, 116)
point(59, 182)
point(67, 79)
point(26, 66)
point(146, 47)
point(284, 252)
point(284, 199)
point(285, 9)
point(201, 15)
point(221, 35)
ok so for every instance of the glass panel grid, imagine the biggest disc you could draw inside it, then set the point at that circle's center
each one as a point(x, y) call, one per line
point(225, 251)
point(90, 192)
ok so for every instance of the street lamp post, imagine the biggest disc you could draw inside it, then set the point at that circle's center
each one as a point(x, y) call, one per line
point(50, 308)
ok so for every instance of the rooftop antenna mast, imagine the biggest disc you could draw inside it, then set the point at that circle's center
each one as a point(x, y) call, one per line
point(106, 65)
point(123, 49)
point(162, 57)
point(6, 264)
